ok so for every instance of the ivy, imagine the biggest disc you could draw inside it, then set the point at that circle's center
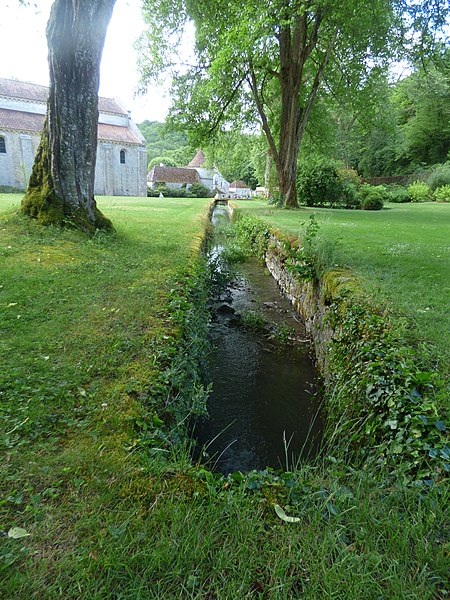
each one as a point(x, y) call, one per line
point(381, 398)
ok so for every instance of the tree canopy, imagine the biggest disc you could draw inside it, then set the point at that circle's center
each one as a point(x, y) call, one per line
point(271, 61)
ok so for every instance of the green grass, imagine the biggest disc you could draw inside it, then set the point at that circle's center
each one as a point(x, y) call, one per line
point(84, 325)
point(402, 254)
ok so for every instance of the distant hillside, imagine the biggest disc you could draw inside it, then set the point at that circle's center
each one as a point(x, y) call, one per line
point(169, 146)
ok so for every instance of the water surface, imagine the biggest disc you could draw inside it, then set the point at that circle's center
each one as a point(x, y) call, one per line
point(263, 409)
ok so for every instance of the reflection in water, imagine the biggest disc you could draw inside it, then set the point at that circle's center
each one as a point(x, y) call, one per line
point(263, 410)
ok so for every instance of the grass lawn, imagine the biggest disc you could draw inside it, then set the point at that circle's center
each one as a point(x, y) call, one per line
point(402, 253)
point(84, 323)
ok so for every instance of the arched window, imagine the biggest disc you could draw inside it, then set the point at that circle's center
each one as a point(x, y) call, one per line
point(2, 145)
point(122, 157)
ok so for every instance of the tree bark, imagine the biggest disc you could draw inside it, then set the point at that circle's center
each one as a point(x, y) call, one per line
point(61, 186)
point(296, 41)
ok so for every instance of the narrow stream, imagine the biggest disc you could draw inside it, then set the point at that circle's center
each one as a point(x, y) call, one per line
point(264, 407)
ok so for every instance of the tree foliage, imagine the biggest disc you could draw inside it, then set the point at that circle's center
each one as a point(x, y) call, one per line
point(268, 61)
point(165, 145)
point(422, 102)
point(233, 152)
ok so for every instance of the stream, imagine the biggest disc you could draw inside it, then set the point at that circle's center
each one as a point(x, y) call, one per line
point(263, 410)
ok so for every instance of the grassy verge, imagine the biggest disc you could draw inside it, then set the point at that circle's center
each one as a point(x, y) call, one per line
point(402, 254)
point(91, 333)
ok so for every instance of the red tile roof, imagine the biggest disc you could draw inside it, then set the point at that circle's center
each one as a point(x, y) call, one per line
point(163, 174)
point(21, 121)
point(32, 123)
point(198, 160)
point(27, 91)
point(239, 184)
point(115, 133)
point(11, 88)
point(110, 105)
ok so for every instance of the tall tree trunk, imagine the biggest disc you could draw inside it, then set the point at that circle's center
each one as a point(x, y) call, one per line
point(61, 186)
point(296, 41)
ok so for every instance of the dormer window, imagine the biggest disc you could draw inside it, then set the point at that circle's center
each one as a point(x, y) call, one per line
point(122, 157)
point(2, 145)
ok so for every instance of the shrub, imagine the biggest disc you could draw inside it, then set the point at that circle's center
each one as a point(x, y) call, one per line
point(442, 194)
point(397, 193)
point(197, 190)
point(350, 196)
point(439, 177)
point(319, 183)
point(9, 189)
point(373, 199)
point(419, 192)
point(167, 192)
point(350, 176)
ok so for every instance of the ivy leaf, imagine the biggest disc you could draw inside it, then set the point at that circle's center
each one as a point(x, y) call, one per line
point(17, 532)
point(440, 425)
point(283, 516)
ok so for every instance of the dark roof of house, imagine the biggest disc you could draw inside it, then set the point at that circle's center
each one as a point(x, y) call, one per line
point(163, 174)
point(198, 160)
point(33, 123)
point(239, 184)
point(10, 88)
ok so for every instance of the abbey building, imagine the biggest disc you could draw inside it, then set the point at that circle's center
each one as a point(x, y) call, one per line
point(121, 168)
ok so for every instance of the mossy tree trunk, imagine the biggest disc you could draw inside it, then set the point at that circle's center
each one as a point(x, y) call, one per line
point(61, 186)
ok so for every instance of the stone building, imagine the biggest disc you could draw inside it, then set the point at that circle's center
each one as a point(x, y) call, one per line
point(195, 172)
point(239, 189)
point(172, 177)
point(121, 168)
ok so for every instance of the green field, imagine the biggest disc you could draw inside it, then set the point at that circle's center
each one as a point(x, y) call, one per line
point(88, 336)
point(402, 254)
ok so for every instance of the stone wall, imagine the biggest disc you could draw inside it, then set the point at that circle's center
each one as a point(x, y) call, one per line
point(312, 299)
point(17, 162)
point(308, 299)
point(113, 178)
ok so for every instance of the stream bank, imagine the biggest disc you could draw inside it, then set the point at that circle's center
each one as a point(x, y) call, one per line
point(379, 396)
point(264, 408)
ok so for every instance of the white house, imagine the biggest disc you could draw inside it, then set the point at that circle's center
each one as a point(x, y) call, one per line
point(121, 168)
point(259, 192)
point(210, 178)
point(195, 172)
point(239, 189)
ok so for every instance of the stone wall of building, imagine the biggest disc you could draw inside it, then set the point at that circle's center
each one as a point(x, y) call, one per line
point(22, 110)
point(112, 178)
point(17, 162)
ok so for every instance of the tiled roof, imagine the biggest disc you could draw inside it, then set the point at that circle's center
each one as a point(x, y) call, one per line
point(32, 123)
point(27, 91)
point(115, 133)
point(21, 121)
point(162, 174)
point(239, 184)
point(198, 160)
point(110, 105)
point(39, 93)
